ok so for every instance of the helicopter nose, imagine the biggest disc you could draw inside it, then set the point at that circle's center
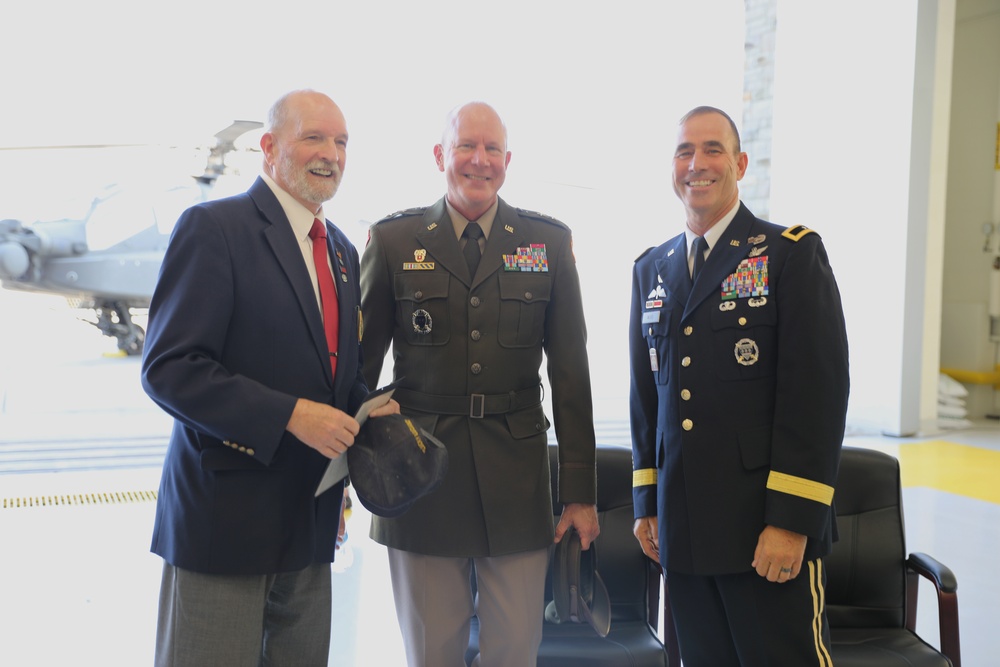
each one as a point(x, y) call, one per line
point(14, 260)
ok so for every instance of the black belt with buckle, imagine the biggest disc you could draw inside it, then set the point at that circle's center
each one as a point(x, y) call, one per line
point(474, 406)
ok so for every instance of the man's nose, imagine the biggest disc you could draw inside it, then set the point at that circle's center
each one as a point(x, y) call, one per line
point(331, 151)
point(480, 156)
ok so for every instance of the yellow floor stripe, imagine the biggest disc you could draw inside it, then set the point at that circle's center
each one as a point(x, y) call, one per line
point(947, 466)
point(106, 498)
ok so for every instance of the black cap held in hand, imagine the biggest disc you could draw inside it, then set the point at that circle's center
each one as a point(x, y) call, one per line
point(578, 592)
point(393, 462)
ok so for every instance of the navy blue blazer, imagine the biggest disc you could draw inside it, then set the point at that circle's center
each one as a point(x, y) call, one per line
point(739, 388)
point(235, 337)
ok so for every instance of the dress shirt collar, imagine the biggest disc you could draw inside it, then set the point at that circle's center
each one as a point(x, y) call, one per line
point(298, 215)
point(485, 220)
point(714, 232)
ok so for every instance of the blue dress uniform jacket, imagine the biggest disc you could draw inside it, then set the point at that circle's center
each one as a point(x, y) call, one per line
point(467, 351)
point(235, 337)
point(739, 387)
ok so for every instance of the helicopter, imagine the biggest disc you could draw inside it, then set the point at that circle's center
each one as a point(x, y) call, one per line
point(89, 262)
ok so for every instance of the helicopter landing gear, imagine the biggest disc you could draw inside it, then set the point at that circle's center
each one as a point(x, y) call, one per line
point(115, 320)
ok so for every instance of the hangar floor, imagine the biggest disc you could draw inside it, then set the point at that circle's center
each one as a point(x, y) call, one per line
point(80, 447)
point(81, 584)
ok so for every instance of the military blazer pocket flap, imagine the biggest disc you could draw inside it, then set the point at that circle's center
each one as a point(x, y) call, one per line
point(224, 458)
point(755, 447)
point(528, 422)
point(745, 313)
point(421, 286)
point(656, 323)
point(525, 287)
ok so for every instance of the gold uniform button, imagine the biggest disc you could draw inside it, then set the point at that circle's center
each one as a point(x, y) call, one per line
point(685, 362)
point(743, 321)
point(250, 452)
point(688, 331)
point(687, 424)
point(685, 394)
point(475, 301)
point(476, 368)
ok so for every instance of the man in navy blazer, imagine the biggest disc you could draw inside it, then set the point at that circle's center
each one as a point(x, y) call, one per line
point(237, 353)
point(740, 382)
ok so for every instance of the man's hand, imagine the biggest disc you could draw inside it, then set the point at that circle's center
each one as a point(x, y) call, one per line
point(323, 427)
point(647, 530)
point(779, 554)
point(583, 517)
point(390, 408)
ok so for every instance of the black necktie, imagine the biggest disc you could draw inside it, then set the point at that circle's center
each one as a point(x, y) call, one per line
point(472, 252)
point(699, 248)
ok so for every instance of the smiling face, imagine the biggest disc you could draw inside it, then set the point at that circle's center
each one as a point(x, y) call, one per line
point(473, 155)
point(305, 151)
point(707, 167)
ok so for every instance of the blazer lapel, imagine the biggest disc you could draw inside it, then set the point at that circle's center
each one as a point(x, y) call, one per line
point(672, 269)
point(286, 250)
point(436, 235)
point(731, 248)
point(506, 235)
point(343, 276)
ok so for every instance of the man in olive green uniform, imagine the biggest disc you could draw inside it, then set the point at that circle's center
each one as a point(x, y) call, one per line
point(468, 336)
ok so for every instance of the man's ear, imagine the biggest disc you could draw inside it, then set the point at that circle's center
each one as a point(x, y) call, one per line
point(439, 156)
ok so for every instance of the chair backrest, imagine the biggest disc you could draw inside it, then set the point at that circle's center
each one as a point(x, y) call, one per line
point(626, 571)
point(866, 577)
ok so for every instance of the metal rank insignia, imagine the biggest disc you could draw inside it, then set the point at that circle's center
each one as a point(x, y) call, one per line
point(749, 279)
point(746, 352)
point(531, 259)
point(419, 255)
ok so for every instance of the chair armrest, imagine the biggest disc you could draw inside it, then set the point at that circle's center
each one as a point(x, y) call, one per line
point(946, 584)
point(933, 569)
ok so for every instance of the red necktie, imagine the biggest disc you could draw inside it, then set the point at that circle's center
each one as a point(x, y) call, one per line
point(327, 291)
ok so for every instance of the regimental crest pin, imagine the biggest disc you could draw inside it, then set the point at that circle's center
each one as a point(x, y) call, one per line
point(420, 255)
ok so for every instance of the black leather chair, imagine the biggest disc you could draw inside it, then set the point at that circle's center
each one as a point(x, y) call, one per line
point(632, 580)
point(871, 592)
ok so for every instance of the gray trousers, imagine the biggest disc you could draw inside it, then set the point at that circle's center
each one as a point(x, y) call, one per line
point(275, 620)
point(434, 606)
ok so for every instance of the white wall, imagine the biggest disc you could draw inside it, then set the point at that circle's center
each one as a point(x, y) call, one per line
point(842, 126)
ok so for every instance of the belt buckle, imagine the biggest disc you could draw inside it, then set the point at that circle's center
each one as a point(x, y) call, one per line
point(477, 401)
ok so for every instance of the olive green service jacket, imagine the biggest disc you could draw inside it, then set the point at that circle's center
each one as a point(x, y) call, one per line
point(468, 351)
